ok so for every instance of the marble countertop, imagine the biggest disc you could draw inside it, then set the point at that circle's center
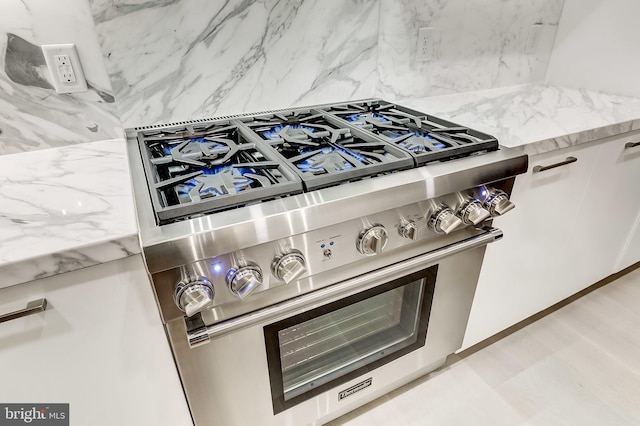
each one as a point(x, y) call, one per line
point(536, 118)
point(63, 209)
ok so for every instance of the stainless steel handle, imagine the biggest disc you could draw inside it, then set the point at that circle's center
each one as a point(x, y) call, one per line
point(33, 307)
point(569, 160)
point(631, 145)
point(200, 334)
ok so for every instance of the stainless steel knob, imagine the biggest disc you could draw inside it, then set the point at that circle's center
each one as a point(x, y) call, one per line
point(497, 202)
point(409, 230)
point(372, 240)
point(471, 212)
point(193, 295)
point(244, 280)
point(289, 266)
point(443, 220)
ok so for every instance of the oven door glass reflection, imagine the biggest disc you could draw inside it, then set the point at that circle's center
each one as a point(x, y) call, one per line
point(319, 349)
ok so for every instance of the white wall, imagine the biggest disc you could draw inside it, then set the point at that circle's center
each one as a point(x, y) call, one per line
point(598, 46)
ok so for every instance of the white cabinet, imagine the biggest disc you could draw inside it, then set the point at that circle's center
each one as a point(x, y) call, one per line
point(567, 232)
point(100, 346)
point(610, 208)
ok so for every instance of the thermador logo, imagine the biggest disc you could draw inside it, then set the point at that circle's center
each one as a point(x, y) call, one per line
point(34, 414)
point(355, 388)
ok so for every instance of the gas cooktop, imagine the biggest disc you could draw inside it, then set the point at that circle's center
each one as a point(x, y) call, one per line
point(205, 166)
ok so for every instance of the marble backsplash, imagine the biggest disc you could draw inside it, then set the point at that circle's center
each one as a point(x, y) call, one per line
point(479, 45)
point(32, 115)
point(171, 60)
point(186, 59)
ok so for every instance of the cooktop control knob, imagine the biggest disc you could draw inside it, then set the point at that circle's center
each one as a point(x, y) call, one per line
point(289, 266)
point(443, 220)
point(193, 295)
point(497, 202)
point(372, 240)
point(472, 213)
point(244, 280)
point(409, 230)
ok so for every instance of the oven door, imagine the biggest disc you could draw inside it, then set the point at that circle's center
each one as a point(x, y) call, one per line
point(324, 347)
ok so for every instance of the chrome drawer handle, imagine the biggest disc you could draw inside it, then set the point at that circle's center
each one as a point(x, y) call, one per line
point(631, 145)
point(33, 307)
point(569, 160)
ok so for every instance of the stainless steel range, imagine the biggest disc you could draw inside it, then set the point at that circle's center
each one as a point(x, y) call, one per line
point(306, 261)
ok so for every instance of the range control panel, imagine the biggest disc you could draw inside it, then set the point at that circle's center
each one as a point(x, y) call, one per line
point(240, 275)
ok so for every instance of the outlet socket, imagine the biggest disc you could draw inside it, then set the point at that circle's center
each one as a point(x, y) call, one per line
point(65, 68)
point(427, 44)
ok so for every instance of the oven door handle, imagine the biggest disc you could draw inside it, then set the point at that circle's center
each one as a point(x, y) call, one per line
point(198, 333)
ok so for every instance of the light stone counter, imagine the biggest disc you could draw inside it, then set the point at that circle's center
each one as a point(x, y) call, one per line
point(536, 118)
point(63, 209)
point(67, 208)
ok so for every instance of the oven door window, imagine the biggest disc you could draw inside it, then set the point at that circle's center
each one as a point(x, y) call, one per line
point(319, 349)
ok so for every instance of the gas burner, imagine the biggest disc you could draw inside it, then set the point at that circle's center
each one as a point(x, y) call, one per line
point(370, 115)
point(335, 159)
point(418, 142)
point(211, 168)
point(291, 132)
point(227, 180)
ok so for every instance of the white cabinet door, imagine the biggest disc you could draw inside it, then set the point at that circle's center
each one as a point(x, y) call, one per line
point(100, 346)
point(609, 209)
point(534, 265)
point(622, 165)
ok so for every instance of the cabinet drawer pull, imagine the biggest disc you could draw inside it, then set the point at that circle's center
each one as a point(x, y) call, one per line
point(569, 160)
point(631, 144)
point(33, 307)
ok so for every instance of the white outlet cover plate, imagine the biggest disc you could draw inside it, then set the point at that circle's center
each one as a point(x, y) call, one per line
point(50, 51)
point(427, 44)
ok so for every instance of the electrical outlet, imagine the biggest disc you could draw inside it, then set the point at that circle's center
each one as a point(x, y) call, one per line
point(65, 68)
point(533, 41)
point(427, 39)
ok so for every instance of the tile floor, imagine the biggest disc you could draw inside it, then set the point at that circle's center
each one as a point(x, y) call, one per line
point(580, 365)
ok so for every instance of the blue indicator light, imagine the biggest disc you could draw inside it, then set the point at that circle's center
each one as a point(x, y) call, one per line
point(217, 267)
point(322, 245)
point(331, 243)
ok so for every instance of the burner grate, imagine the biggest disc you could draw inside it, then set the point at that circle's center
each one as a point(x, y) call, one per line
point(210, 168)
point(323, 151)
point(203, 166)
point(427, 138)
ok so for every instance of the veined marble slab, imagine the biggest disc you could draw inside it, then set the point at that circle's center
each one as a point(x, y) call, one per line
point(64, 209)
point(537, 118)
point(32, 115)
point(189, 59)
point(477, 45)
